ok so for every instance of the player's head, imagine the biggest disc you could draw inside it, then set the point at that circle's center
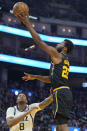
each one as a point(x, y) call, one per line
point(66, 46)
point(22, 98)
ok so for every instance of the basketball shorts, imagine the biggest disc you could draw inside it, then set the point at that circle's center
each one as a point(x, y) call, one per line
point(62, 105)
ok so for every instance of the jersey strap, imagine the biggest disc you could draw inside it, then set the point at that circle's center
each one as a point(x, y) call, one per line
point(32, 119)
point(14, 110)
point(31, 116)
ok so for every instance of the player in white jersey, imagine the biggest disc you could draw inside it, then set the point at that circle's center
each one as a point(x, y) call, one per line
point(21, 116)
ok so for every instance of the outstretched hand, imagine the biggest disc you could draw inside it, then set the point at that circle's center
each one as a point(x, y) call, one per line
point(23, 18)
point(28, 77)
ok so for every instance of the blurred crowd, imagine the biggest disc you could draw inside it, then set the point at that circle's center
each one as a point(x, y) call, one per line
point(39, 91)
point(71, 10)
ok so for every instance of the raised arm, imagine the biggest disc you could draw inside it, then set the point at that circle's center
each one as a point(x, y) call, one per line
point(45, 79)
point(46, 102)
point(11, 121)
point(48, 49)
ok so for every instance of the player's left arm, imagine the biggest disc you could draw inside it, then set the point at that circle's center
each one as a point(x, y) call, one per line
point(46, 102)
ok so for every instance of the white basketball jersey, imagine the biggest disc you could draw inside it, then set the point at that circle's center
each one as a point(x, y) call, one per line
point(27, 123)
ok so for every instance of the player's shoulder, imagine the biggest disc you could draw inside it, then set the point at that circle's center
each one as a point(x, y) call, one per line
point(34, 105)
point(10, 112)
point(11, 108)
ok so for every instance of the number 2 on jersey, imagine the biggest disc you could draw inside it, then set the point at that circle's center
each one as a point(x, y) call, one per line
point(65, 72)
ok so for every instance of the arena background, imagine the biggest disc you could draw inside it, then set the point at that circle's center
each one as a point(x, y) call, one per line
point(54, 20)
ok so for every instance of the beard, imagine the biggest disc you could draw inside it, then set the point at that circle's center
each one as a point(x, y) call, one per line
point(21, 102)
point(59, 49)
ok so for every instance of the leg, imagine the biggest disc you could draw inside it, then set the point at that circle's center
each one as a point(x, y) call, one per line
point(61, 123)
point(64, 100)
point(62, 127)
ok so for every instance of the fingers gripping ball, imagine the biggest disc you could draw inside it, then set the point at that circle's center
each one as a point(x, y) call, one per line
point(20, 8)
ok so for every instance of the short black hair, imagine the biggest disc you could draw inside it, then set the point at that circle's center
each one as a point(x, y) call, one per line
point(25, 95)
point(69, 44)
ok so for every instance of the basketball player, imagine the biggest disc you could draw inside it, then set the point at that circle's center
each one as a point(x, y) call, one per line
point(21, 116)
point(59, 71)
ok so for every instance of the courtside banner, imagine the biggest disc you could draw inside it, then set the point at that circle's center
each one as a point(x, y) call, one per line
point(70, 128)
point(51, 39)
point(37, 64)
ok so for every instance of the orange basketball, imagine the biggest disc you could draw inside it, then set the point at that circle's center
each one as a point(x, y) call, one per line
point(20, 8)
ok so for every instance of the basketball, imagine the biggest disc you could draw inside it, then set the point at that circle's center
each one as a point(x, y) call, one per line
point(20, 8)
